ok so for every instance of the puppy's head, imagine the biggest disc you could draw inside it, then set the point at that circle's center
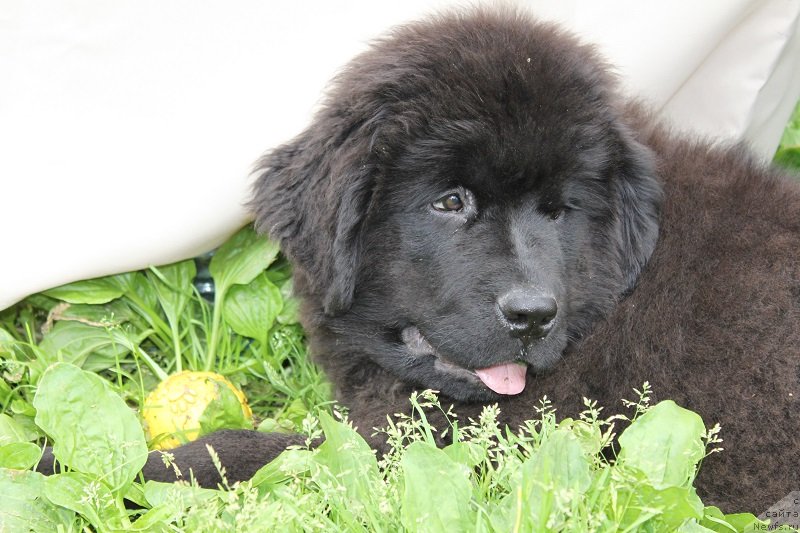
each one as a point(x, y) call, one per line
point(467, 202)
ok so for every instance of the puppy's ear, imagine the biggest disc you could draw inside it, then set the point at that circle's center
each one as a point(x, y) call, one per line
point(312, 195)
point(638, 194)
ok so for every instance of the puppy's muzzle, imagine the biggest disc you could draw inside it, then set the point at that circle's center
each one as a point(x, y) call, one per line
point(527, 313)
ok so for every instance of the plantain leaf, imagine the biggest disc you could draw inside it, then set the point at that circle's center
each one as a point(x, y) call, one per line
point(665, 444)
point(82, 494)
point(90, 347)
point(789, 157)
point(251, 309)
point(349, 460)
point(243, 257)
point(22, 507)
point(93, 430)
point(173, 288)
point(224, 412)
point(13, 431)
point(19, 455)
point(559, 466)
point(90, 291)
point(136, 287)
point(437, 491)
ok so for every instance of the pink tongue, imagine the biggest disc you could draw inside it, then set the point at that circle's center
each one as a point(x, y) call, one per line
point(508, 378)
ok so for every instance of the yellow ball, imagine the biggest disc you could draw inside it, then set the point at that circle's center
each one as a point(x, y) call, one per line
point(172, 411)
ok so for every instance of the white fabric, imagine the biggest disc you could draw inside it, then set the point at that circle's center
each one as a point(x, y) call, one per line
point(127, 128)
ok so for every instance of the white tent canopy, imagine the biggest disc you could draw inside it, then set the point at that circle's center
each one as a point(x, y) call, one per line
point(128, 128)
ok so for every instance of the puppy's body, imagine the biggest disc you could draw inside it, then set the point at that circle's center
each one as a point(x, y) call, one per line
point(712, 324)
point(476, 196)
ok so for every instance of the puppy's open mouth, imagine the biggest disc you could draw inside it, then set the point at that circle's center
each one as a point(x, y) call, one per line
point(506, 378)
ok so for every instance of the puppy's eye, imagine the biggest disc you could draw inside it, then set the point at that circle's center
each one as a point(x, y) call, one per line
point(555, 214)
point(451, 202)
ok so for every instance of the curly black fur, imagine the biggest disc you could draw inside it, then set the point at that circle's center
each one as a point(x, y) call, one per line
point(669, 259)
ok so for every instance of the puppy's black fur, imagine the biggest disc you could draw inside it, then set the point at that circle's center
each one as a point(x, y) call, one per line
point(470, 159)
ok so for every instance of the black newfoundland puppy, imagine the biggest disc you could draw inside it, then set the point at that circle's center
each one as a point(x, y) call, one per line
point(477, 210)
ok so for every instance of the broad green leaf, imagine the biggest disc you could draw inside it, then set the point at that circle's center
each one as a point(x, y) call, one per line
point(5, 392)
point(19, 455)
point(789, 157)
point(79, 344)
point(791, 135)
point(714, 519)
point(788, 154)
point(745, 522)
point(135, 495)
point(243, 257)
point(675, 505)
point(157, 519)
point(561, 461)
point(291, 309)
point(717, 521)
point(349, 460)
point(6, 339)
point(665, 444)
point(590, 436)
point(290, 463)
point(13, 431)
point(634, 516)
point(21, 407)
point(436, 491)
point(157, 493)
point(465, 453)
point(22, 507)
point(280, 274)
point(224, 412)
point(84, 495)
point(691, 526)
point(251, 309)
point(136, 287)
point(559, 466)
point(25, 420)
point(102, 316)
point(296, 412)
point(91, 291)
point(173, 288)
point(291, 305)
point(273, 425)
point(92, 428)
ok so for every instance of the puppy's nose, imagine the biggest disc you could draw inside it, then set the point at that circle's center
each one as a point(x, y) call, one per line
point(527, 312)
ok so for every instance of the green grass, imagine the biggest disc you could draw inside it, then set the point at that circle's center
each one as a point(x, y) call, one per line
point(77, 362)
point(549, 476)
point(134, 329)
